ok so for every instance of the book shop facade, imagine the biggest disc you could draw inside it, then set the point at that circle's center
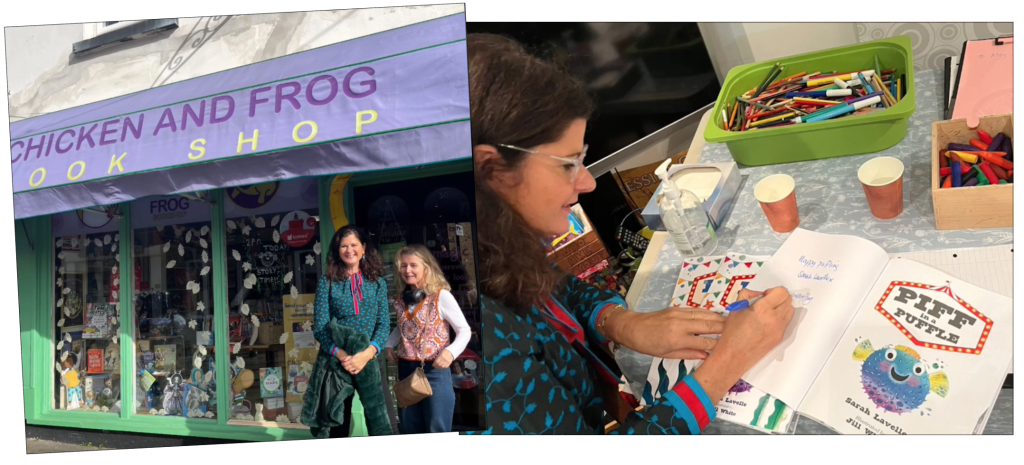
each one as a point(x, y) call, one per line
point(169, 242)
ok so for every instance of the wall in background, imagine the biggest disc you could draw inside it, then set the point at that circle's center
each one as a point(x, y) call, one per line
point(734, 44)
point(933, 42)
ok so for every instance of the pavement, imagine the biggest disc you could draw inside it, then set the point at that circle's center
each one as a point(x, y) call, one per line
point(41, 446)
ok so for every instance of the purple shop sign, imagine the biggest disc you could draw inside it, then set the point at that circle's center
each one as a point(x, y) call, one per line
point(426, 87)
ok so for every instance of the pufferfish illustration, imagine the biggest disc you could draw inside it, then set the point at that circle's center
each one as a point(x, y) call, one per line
point(895, 379)
point(740, 387)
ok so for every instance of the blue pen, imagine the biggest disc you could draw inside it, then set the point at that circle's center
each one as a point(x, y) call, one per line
point(742, 304)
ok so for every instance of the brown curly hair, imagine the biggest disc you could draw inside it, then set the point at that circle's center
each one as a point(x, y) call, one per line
point(515, 99)
point(372, 265)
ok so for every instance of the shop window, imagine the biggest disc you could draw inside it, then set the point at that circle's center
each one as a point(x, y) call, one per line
point(86, 311)
point(273, 266)
point(173, 307)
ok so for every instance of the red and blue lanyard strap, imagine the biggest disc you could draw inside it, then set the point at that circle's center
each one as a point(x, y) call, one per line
point(356, 283)
point(570, 328)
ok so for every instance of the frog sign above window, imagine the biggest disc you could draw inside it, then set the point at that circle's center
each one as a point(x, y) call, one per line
point(347, 107)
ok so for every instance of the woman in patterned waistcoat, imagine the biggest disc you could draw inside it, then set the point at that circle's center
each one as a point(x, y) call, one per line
point(422, 338)
point(354, 291)
point(545, 334)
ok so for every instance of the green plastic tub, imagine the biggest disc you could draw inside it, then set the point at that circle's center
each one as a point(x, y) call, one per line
point(851, 135)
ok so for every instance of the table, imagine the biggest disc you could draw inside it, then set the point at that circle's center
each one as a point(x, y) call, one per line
point(830, 200)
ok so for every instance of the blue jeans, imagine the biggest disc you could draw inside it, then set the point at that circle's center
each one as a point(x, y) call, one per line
point(433, 414)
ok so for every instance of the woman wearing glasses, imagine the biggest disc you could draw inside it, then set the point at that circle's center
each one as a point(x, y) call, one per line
point(544, 331)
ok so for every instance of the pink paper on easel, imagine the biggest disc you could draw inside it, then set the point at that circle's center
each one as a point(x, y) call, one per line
point(986, 81)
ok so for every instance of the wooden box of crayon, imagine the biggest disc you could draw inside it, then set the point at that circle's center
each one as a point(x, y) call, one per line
point(972, 206)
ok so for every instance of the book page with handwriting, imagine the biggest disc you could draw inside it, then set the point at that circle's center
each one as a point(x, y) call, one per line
point(828, 276)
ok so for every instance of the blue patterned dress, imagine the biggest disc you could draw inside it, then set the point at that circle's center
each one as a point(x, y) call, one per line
point(372, 318)
point(540, 375)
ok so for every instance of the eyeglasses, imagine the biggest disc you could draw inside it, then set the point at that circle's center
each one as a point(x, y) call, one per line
point(571, 163)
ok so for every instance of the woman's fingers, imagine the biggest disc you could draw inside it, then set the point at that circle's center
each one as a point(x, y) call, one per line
point(687, 354)
point(746, 294)
point(703, 326)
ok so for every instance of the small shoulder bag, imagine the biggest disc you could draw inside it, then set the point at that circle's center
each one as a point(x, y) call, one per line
point(414, 387)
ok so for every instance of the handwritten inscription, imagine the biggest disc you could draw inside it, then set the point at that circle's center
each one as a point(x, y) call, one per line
point(815, 277)
point(801, 298)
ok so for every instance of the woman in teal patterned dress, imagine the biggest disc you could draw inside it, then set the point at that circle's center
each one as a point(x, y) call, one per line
point(547, 368)
point(355, 293)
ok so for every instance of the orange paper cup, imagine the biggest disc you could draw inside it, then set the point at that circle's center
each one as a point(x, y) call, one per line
point(882, 180)
point(777, 195)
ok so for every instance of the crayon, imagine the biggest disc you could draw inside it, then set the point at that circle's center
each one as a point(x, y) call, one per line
point(1008, 148)
point(979, 144)
point(841, 83)
point(1002, 181)
point(943, 159)
point(995, 160)
point(971, 182)
point(999, 172)
point(984, 137)
point(964, 169)
point(947, 182)
point(994, 143)
point(956, 174)
point(961, 147)
point(991, 176)
point(969, 157)
point(970, 174)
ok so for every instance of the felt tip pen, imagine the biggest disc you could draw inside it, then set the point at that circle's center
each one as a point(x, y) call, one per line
point(742, 304)
point(823, 93)
point(841, 83)
point(865, 84)
point(843, 109)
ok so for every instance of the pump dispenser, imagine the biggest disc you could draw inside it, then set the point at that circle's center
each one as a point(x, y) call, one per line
point(684, 217)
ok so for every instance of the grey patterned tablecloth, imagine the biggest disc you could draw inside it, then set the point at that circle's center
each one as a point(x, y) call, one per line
point(830, 200)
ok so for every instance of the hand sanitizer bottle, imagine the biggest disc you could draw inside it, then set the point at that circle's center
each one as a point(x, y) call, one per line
point(684, 217)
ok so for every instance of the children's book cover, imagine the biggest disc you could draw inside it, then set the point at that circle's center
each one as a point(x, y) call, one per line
point(165, 357)
point(271, 382)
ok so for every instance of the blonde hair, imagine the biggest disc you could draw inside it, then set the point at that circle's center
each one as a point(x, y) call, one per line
point(434, 280)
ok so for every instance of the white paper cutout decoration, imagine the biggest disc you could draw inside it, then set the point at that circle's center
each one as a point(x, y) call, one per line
point(247, 266)
point(197, 362)
point(204, 271)
point(307, 326)
point(61, 271)
point(60, 240)
point(74, 241)
point(64, 356)
point(117, 237)
point(237, 256)
point(167, 246)
point(205, 229)
point(246, 229)
point(60, 323)
point(293, 353)
point(67, 337)
point(113, 270)
point(60, 303)
point(240, 363)
point(113, 295)
point(310, 260)
point(277, 237)
point(231, 225)
point(284, 337)
point(288, 277)
point(60, 345)
point(200, 306)
point(117, 257)
point(116, 280)
point(245, 309)
point(181, 250)
point(171, 264)
point(260, 223)
point(113, 248)
point(206, 257)
point(106, 239)
point(115, 340)
point(203, 243)
point(255, 320)
point(60, 282)
point(235, 347)
point(98, 242)
point(274, 220)
point(295, 292)
point(61, 255)
point(188, 236)
point(66, 291)
point(202, 351)
point(57, 364)
point(316, 247)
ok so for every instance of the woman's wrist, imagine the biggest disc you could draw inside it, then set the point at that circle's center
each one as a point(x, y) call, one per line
point(610, 322)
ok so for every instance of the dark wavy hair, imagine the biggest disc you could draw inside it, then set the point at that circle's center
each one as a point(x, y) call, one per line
point(372, 266)
point(515, 99)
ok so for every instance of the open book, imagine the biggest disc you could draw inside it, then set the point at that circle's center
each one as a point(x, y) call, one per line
point(880, 346)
